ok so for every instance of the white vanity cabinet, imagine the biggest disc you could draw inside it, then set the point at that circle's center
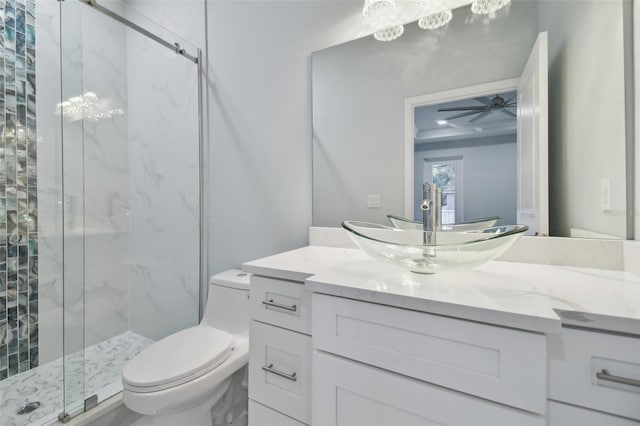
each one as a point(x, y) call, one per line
point(594, 378)
point(381, 365)
point(280, 353)
point(338, 339)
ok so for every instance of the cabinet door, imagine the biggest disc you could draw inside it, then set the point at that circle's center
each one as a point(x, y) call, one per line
point(353, 394)
point(500, 364)
point(280, 370)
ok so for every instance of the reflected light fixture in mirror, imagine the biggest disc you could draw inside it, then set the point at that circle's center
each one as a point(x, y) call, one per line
point(488, 7)
point(435, 21)
point(87, 106)
point(389, 34)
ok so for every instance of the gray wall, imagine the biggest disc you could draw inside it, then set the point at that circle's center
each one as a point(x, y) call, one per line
point(260, 117)
point(489, 174)
point(586, 114)
point(359, 90)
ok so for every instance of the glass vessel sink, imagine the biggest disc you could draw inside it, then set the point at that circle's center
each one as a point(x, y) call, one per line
point(432, 252)
point(485, 222)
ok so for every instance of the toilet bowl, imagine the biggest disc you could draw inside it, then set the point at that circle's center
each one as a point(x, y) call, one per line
point(179, 379)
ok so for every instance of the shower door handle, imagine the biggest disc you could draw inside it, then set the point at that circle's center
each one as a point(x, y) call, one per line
point(269, 369)
point(273, 304)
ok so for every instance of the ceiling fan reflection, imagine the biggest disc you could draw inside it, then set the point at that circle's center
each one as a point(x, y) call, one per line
point(497, 104)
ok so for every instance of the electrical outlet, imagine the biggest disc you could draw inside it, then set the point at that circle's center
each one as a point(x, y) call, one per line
point(373, 201)
point(605, 195)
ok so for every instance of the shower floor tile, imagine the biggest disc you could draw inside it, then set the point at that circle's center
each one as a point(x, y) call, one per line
point(103, 363)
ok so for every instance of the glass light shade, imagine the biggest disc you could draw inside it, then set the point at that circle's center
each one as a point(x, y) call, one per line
point(389, 34)
point(379, 11)
point(435, 20)
point(485, 7)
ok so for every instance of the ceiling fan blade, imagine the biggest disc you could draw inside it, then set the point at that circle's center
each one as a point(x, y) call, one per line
point(464, 114)
point(509, 113)
point(508, 101)
point(484, 100)
point(467, 108)
point(479, 117)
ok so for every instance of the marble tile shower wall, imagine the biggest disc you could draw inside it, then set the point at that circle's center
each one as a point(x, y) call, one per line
point(18, 189)
point(163, 149)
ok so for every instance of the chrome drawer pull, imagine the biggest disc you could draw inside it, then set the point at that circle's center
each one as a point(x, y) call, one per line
point(605, 375)
point(269, 369)
point(270, 302)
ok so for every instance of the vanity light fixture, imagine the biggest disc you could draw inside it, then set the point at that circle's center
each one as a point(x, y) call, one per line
point(435, 20)
point(384, 14)
point(379, 12)
point(488, 7)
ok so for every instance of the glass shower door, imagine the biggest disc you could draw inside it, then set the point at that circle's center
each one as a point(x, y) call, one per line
point(71, 114)
point(131, 161)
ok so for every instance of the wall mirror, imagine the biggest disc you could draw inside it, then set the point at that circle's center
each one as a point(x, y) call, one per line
point(361, 89)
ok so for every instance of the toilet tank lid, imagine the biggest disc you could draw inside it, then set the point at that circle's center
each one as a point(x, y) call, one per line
point(233, 278)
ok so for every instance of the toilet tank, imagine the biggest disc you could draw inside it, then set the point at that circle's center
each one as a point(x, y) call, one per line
point(228, 302)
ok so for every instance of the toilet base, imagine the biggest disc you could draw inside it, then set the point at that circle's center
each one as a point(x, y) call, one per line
point(226, 405)
point(197, 415)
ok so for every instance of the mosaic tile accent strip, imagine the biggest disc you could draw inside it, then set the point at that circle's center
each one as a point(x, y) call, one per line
point(103, 364)
point(18, 189)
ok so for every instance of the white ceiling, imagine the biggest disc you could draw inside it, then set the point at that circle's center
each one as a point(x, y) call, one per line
point(497, 123)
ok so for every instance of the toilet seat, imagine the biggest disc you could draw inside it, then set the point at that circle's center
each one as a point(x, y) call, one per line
point(177, 359)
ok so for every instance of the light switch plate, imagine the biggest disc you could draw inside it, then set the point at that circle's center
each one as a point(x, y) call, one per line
point(373, 201)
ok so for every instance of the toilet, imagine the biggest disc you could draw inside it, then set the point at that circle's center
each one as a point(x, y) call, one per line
point(180, 379)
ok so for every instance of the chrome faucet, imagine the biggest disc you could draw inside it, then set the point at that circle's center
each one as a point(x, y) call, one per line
point(431, 212)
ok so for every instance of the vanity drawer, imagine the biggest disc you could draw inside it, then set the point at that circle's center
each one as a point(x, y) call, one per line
point(569, 415)
point(576, 363)
point(495, 363)
point(350, 393)
point(280, 370)
point(259, 415)
point(283, 303)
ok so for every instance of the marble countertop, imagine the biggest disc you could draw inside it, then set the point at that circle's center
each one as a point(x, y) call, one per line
point(532, 297)
point(302, 263)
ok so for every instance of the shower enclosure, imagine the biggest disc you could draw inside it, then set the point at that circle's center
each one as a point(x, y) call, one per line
point(101, 159)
